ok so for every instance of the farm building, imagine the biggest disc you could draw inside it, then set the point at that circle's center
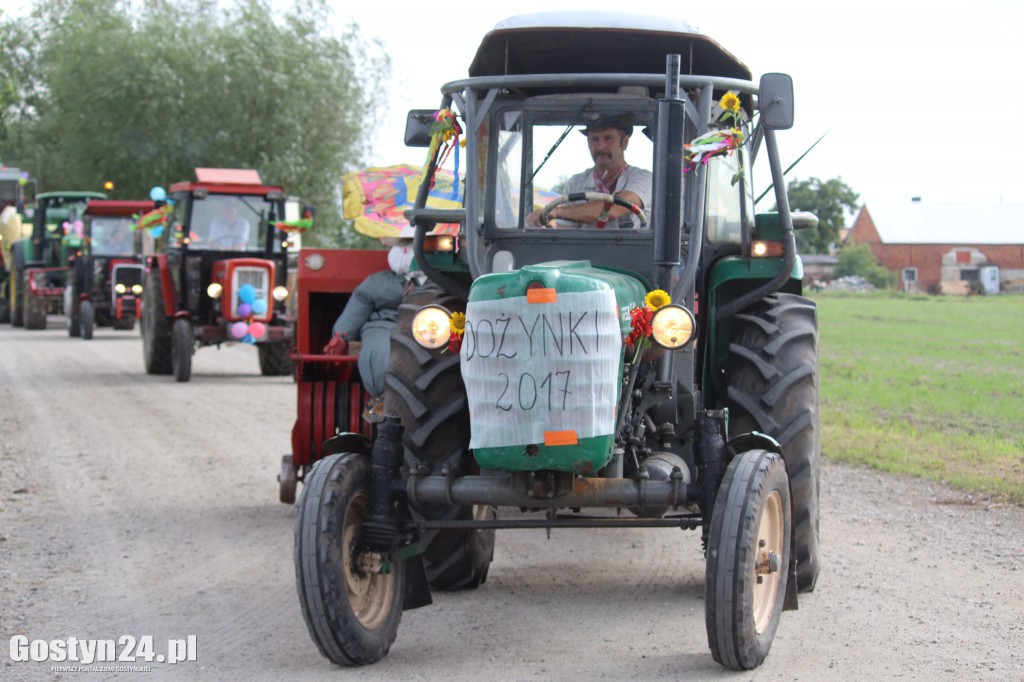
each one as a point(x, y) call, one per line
point(946, 247)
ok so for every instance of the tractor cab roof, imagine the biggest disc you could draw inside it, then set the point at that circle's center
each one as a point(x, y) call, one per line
point(227, 181)
point(117, 207)
point(599, 42)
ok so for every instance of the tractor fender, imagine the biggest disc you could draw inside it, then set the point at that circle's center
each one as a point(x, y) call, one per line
point(347, 442)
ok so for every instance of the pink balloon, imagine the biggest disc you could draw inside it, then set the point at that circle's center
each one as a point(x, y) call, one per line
point(239, 330)
point(257, 329)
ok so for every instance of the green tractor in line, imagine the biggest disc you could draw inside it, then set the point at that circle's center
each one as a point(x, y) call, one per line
point(40, 264)
point(15, 225)
point(665, 364)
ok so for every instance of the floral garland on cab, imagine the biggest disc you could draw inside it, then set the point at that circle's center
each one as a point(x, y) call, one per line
point(719, 142)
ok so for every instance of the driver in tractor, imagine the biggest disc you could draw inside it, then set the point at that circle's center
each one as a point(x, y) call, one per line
point(229, 230)
point(607, 140)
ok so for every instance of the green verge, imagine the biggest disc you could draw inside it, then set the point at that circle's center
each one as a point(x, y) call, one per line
point(926, 386)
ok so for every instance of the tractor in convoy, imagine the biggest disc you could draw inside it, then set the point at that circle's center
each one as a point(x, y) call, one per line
point(40, 263)
point(608, 359)
point(220, 271)
point(105, 286)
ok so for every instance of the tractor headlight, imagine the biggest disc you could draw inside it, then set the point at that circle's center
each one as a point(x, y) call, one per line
point(120, 288)
point(214, 290)
point(280, 293)
point(673, 326)
point(137, 289)
point(430, 327)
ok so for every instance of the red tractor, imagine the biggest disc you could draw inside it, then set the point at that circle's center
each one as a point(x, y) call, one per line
point(220, 273)
point(105, 285)
point(330, 391)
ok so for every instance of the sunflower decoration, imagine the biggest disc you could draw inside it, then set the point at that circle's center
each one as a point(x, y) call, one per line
point(457, 326)
point(641, 317)
point(719, 142)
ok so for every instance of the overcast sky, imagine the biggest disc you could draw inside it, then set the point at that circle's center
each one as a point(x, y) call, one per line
point(919, 96)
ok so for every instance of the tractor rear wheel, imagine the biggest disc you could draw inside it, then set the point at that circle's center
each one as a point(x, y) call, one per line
point(182, 345)
point(425, 390)
point(275, 359)
point(14, 285)
point(350, 597)
point(86, 317)
point(34, 306)
point(747, 560)
point(5, 306)
point(155, 328)
point(772, 374)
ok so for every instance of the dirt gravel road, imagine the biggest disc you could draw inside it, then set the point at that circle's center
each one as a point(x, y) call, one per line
point(133, 505)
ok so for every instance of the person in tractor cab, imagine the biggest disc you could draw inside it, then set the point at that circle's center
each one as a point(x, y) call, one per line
point(371, 314)
point(229, 230)
point(607, 140)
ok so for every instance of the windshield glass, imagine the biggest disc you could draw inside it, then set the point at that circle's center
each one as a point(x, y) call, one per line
point(112, 236)
point(222, 222)
point(544, 154)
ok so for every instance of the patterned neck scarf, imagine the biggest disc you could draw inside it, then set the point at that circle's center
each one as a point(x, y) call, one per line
point(604, 187)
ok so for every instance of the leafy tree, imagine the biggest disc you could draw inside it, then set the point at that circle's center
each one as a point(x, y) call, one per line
point(829, 200)
point(857, 259)
point(143, 97)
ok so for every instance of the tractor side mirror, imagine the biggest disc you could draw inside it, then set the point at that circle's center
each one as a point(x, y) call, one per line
point(775, 98)
point(417, 127)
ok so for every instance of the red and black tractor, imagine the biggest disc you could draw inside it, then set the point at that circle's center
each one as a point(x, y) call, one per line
point(105, 285)
point(220, 271)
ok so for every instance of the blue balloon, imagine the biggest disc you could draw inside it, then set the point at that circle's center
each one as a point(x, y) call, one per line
point(247, 293)
point(248, 338)
point(157, 231)
point(259, 306)
point(158, 193)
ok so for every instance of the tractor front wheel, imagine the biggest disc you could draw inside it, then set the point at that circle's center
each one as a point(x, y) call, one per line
point(773, 388)
point(71, 317)
point(35, 308)
point(182, 345)
point(350, 597)
point(747, 560)
point(86, 318)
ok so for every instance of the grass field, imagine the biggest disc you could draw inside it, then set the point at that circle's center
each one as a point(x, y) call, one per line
point(927, 386)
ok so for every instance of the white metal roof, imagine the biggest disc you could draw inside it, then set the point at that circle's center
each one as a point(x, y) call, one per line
point(596, 19)
point(920, 222)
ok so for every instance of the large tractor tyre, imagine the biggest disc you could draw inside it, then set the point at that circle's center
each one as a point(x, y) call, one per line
point(71, 310)
point(351, 604)
point(275, 359)
point(772, 376)
point(155, 328)
point(424, 388)
point(182, 345)
point(747, 559)
point(86, 318)
point(34, 307)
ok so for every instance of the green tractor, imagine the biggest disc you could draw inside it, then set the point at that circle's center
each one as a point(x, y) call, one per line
point(615, 349)
point(40, 264)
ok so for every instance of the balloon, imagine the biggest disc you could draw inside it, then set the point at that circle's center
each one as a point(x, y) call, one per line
point(259, 306)
point(257, 329)
point(157, 231)
point(248, 339)
point(239, 330)
point(244, 309)
point(158, 193)
point(247, 293)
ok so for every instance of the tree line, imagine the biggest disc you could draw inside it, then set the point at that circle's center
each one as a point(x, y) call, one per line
point(141, 94)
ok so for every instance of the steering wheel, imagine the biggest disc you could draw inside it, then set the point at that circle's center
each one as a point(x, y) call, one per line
point(226, 241)
point(607, 199)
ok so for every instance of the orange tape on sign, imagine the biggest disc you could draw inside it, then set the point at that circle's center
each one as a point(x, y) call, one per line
point(541, 296)
point(560, 438)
